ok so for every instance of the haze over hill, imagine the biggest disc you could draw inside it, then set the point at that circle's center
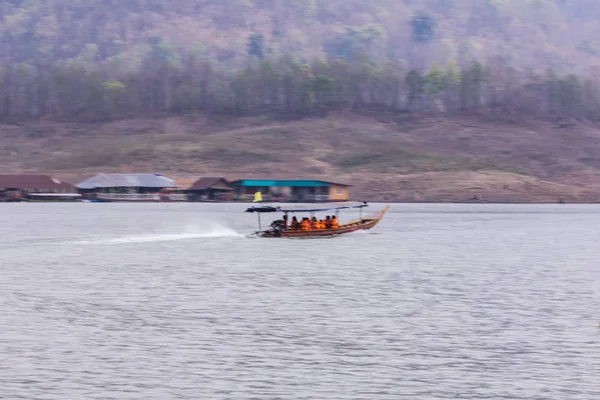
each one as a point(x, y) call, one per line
point(73, 70)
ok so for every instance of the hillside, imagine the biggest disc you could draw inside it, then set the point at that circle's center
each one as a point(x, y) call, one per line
point(545, 33)
point(107, 60)
point(385, 156)
point(448, 100)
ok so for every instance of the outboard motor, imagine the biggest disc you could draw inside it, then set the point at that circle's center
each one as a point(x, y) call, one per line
point(277, 226)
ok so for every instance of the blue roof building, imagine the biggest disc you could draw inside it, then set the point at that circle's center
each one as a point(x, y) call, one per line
point(303, 190)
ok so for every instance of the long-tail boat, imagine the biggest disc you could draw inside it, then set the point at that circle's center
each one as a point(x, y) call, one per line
point(279, 228)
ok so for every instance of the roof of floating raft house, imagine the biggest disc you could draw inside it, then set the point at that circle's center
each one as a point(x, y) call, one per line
point(44, 182)
point(127, 180)
point(285, 182)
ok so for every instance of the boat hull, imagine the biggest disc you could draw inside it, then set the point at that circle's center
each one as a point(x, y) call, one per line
point(354, 226)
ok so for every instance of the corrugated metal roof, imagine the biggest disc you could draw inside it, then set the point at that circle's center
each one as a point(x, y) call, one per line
point(127, 180)
point(280, 183)
point(33, 182)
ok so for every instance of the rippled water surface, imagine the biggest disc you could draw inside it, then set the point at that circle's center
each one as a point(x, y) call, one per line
point(172, 301)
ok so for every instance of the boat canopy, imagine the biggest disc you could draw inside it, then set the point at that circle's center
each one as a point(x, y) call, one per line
point(294, 209)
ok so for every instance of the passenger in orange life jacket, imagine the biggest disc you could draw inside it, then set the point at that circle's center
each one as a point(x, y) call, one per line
point(334, 223)
point(314, 224)
point(321, 224)
point(305, 224)
point(327, 222)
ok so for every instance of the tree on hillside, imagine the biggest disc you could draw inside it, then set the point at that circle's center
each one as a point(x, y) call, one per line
point(422, 27)
point(452, 79)
point(570, 95)
point(435, 83)
point(324, 87)
point(416, 88)
point(101, 60)
point(471, 85)
point(555, 33)
point(285, 85)
point(114, 92)
point(422, 33)
point(256, 46)
point(355, 42)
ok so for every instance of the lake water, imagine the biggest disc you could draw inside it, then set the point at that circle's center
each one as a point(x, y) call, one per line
point(172, 301)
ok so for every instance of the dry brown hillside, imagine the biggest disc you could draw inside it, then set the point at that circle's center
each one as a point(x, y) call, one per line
point(386, 157)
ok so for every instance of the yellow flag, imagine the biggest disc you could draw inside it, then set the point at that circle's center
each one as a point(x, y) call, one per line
point(257, 197)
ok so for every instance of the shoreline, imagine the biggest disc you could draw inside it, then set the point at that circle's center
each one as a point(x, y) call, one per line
point(368, 201)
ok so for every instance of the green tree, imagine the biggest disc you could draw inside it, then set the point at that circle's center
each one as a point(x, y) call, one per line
point(570, 95)
point(452, 75)
point(452, 79)
point(552, 100)
point(256, 46)
point(435, 81)
point(356, 42)
point(476, 75)
point(161, 51)
point(416, 88)
point(422, 27)
point(591, 99)
point(324, 87)
point(114, 96)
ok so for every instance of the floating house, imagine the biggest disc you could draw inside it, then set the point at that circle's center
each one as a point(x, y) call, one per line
point(35, 188)
point(291, 190)
point(210, 189)
point(127, 187)
point(177, 193)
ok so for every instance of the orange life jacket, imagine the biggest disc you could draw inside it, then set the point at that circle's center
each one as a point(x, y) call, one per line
point(305, 225)
point(334, 223)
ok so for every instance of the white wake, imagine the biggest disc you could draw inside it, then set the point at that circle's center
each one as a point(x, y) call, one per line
point(214, 232)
